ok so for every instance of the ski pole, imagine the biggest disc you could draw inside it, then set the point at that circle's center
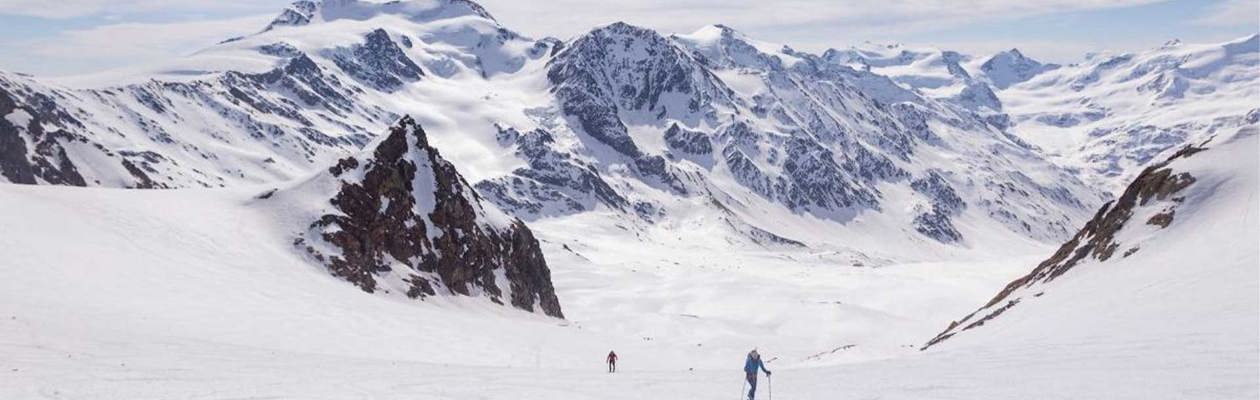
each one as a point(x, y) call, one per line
point(769, 388)
point(741, 390)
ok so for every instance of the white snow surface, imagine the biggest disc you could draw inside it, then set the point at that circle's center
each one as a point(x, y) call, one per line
point(196, 293)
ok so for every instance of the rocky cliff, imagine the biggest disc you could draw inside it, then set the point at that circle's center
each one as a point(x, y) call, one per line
point(400, 218)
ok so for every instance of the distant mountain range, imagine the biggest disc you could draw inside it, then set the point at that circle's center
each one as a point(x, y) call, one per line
point(933, 148)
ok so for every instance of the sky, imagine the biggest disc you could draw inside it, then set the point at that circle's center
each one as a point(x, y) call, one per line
point(69, 37)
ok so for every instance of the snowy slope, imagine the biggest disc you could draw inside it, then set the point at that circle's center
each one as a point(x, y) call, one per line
point(199, 293)
point(1170, 267)
point(171, 276)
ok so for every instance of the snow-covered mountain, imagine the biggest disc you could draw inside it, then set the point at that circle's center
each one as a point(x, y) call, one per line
point(1106, 117)
point(1113, 114)
point(761, 138)
point(262, 108)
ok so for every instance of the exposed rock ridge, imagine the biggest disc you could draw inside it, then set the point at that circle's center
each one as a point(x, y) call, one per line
point(404, 219)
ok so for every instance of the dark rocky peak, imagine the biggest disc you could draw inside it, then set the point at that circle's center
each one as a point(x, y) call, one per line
point(378, 62)
point(306, 12)
point(401, 219)
point(1159, 188)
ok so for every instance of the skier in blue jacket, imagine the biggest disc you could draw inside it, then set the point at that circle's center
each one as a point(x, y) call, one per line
point(751, 365)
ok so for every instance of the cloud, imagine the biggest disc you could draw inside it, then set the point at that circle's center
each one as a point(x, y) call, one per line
point(1231, 13)
point(60, 9)
point(124, 44)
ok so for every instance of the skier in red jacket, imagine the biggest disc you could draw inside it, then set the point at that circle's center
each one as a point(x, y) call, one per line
point(612, 361)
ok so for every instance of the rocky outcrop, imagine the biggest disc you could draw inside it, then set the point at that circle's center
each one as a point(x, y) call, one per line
point(1097, 240)
point(403, 219)
point(45, 160)
point(936, 221)
point(688, 141)
point(34, 137)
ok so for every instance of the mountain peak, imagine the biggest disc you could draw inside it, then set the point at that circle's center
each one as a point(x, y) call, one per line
point(622, 28)
point(1010, 67)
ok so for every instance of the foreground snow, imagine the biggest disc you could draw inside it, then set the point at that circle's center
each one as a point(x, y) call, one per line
point(195, 294)
point(183, 369)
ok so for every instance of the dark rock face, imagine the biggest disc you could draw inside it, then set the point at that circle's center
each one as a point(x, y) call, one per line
point(32, 154)
point(378, 62)
point(1097, 240)
point(688, 141)
point(46, 161)
point(813, 178)
point(402, 210)
point(936, 222)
